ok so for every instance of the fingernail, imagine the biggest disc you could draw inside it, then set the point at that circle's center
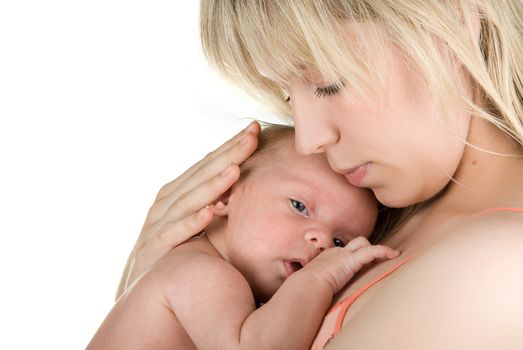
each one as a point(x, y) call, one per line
point(226, 171)
point(201, 214)
point(251, 127)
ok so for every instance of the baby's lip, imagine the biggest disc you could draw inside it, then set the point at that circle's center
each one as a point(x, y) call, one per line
point(293, 265)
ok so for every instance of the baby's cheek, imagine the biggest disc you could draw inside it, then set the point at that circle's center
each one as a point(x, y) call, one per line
point(367, 215)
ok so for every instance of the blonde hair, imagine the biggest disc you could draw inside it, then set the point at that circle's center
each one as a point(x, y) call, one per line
point(286, 36)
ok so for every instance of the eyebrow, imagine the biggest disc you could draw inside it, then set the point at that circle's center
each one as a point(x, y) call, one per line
point(308, 188)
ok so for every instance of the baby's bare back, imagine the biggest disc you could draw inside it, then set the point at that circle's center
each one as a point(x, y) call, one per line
point(142, 317)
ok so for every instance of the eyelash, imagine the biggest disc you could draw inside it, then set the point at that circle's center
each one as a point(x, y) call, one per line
point(295, 203)
point(329, 90)
point(325, 91)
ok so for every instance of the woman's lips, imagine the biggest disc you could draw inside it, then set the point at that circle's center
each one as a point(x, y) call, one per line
point(355, 175)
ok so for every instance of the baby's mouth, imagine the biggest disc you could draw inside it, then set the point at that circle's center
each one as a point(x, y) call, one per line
point(296, 265)
point(291, 266)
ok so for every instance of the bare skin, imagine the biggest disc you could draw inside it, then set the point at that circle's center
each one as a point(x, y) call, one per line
point(463, 288)
point(450, 236)
point(196, 300)
point(448, 246)
point(277, 233)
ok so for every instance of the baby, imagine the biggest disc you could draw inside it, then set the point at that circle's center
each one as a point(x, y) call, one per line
point(263, 274)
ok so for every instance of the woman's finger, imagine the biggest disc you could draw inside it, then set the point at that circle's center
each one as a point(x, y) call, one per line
point(205, 194)
point(234, 155)
point(192, 201)
point(176, 232)
point(232, 151)
point(174, 218)
point(170, 235)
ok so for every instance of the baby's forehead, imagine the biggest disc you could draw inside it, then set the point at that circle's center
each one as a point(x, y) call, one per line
point(280, 151)
point(284, 159)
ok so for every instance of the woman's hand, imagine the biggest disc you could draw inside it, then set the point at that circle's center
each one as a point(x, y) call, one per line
point(180, 210)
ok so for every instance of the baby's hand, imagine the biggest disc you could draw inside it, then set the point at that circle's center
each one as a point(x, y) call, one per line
point(336, 266)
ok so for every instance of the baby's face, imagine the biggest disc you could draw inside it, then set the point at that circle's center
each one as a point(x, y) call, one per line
point(288, 210)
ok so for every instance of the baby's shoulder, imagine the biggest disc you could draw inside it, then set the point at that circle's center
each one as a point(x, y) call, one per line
point(192, 262)
point(194, 277)
point(186, 269)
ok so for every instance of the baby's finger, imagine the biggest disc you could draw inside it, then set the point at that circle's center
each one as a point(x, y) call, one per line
point(357, 243)
point(370, 253)
point(386, 252)
point(232, 151)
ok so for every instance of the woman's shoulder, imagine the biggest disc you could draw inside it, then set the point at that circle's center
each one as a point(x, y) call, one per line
point(449, 295)
point(493, 230)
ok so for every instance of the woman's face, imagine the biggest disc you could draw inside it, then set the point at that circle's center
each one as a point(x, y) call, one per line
point(391, 141)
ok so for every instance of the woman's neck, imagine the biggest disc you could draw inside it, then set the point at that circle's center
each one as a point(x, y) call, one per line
point(489, 176)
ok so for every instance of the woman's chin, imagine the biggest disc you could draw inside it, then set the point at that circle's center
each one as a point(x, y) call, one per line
point(399, 199)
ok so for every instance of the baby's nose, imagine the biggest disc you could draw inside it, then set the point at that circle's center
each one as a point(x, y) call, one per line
point(319, 238)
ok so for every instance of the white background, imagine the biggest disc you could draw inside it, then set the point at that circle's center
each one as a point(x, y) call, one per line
point(101, 103)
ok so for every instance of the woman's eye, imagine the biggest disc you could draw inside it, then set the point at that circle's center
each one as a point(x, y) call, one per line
point(338, 242)
point(300, 207)
point(329, 90)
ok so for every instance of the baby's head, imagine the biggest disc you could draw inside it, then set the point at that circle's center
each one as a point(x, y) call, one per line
point(287, 208)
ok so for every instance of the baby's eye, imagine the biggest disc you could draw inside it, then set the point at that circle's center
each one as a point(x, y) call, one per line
point(300, 207)
point(338, 242)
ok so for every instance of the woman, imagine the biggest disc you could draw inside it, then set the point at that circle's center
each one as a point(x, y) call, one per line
point(420, 101)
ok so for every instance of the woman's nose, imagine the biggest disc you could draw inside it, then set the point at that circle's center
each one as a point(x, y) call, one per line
point(314, 133)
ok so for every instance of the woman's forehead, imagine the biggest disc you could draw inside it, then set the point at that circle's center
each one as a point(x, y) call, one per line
point(268, 71)
point(279, 69)
point(283, 76)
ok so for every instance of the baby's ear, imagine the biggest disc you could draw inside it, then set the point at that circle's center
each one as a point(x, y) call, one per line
point(220, 207)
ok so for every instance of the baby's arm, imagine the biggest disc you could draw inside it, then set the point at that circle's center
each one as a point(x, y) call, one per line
point(214, 303)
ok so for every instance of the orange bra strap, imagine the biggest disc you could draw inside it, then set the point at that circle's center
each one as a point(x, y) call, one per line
point(346, 303)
